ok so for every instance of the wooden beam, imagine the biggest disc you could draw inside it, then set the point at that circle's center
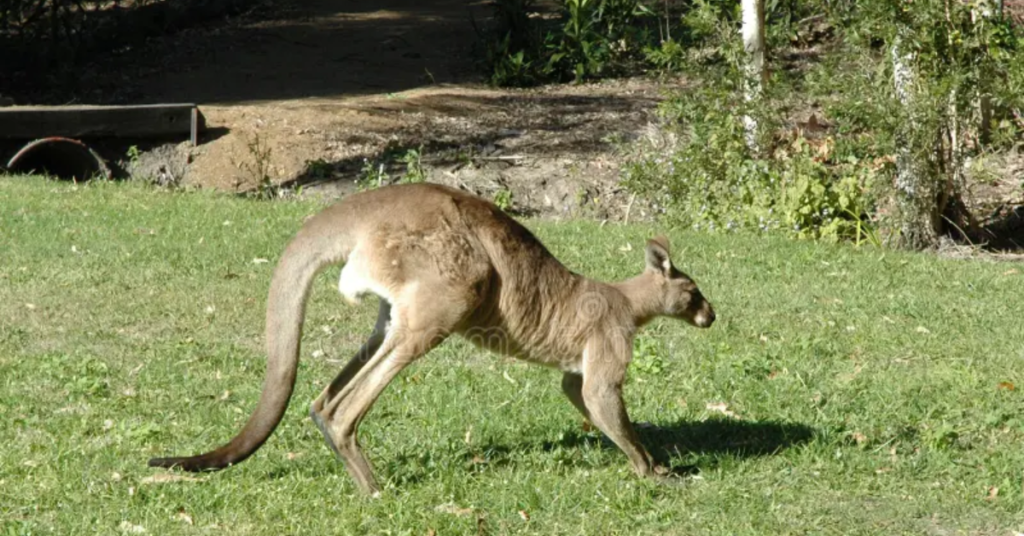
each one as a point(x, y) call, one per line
point(146, 120)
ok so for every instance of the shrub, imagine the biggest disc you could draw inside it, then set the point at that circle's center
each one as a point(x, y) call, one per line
point(711, 180)
point(841, 185)
point(589, 39)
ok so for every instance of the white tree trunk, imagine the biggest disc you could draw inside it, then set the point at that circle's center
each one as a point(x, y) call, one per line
point(956, 145)
point(754, 71)
point(916, 225)
point(985, 9)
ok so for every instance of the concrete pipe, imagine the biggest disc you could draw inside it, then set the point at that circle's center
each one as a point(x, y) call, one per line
point(60, 157)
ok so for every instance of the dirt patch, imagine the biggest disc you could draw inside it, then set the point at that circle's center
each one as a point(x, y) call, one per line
point(552, 150)
point(309, 95)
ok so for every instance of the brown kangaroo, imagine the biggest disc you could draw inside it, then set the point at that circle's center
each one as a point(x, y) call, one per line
point(442, 261)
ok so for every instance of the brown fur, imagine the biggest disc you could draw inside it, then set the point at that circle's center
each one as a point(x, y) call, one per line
point(442, 262)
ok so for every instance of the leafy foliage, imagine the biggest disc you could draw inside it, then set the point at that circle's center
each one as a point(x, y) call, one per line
point(589, 39)
point(381, 171)
point(712, 180)
point(837, 183)
point(959, 55)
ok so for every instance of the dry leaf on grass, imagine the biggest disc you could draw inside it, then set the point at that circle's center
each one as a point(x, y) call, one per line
point(723, 408)
point(166, 478)
point(523, 514)
point(993, 492)
point(131, 529)
point(454, 509)
point(1005, 386)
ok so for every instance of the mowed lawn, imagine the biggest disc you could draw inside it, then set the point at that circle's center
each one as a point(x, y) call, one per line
point(841, 391)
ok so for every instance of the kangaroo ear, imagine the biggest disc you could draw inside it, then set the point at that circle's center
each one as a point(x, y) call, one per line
point(658, 258)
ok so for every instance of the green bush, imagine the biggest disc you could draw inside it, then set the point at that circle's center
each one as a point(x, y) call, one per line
point(512, 46)
point(959, 59)
point(590, 39)
point(839, 184)
point(711, 180)
point(598, 38)
point(708, 35)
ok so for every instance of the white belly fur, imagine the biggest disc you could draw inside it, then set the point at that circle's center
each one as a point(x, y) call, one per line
point(356, 280)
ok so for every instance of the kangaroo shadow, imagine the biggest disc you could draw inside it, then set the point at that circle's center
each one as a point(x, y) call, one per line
point(702, 442)
point(709, 441)
point(726, 436)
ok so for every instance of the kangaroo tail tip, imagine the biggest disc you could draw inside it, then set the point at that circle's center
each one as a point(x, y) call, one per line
point(185, 464)
point(167, 463)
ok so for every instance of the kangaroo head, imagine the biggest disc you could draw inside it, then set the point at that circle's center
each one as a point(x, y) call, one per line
point(679, 295)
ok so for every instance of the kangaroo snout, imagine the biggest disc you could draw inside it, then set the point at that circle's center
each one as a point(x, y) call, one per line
point(705, 317)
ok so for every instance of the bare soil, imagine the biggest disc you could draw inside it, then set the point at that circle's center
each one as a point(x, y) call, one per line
point(554, 149)
point(310, 93)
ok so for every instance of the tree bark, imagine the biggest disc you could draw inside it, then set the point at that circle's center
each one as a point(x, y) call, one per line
point(754, 72)
point(916, 221)
point(985, 9)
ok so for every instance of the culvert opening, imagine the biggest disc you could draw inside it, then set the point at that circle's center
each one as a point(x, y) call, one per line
point(59, 157)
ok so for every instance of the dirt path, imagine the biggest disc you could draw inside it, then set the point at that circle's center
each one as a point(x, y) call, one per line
point(329, 86)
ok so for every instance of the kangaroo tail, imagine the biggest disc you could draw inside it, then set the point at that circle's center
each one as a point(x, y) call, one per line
point(313, 248)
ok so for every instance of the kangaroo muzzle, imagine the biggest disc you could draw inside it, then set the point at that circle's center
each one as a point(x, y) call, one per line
point(705, 316)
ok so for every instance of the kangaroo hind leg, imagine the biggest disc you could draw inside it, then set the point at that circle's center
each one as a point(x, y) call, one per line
point(350, 370)
point(420, 322)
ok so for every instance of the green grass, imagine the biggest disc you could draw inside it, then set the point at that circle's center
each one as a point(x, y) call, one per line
point(868, 385)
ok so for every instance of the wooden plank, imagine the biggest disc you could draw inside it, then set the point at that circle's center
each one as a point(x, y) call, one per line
point(193, 133)
point(29, 122)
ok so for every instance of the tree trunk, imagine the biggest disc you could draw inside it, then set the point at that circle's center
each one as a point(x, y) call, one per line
point(754, 72)
point(916, 221)
point(985, 9)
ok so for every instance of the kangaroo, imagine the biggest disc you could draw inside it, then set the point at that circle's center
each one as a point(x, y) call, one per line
point(442, 262)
